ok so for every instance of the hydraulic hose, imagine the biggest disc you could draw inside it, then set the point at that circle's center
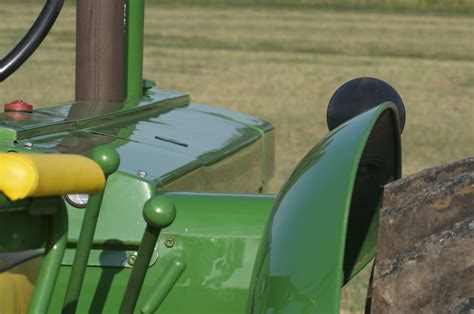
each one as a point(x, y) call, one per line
point(32, 39)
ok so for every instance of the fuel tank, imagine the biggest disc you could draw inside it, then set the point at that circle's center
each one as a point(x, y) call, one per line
point(177, 144)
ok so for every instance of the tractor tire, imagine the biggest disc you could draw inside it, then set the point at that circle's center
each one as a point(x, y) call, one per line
point(425, 250)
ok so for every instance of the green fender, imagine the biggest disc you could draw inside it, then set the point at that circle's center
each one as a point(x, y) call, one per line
point(323, 226)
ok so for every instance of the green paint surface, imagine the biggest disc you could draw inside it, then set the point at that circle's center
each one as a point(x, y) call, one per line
point(304, 252)
point(134, 50)
point(217, 235)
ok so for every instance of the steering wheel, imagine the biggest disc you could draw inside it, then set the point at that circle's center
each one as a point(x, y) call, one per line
point(32, 39)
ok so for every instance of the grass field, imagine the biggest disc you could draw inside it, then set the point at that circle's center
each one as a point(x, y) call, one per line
point(283, 64)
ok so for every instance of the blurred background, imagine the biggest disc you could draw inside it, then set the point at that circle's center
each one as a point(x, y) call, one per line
point(282, 60)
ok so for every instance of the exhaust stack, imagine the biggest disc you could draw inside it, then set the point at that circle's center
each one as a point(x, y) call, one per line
point(100, 50)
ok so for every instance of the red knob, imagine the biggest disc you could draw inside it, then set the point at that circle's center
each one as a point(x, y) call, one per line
point(18, 106)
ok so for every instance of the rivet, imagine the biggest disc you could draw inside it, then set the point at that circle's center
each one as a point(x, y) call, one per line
point(169, 243)
point(131, 259)
point(141, 173)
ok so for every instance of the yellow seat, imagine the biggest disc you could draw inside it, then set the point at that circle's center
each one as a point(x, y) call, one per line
point(16, 286)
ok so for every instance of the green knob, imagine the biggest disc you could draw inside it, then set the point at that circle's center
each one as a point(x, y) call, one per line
point(107, 158)
point(159, 212)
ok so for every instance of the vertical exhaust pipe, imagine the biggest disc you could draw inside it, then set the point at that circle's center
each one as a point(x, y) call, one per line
point(100, 50)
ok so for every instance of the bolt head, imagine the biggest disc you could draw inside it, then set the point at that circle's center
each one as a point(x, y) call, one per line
point(131, 259)
point(169, 243)
point(107, 158)
point(159, 211)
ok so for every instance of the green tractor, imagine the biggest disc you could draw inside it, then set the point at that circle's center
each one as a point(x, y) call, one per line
point(133, 199)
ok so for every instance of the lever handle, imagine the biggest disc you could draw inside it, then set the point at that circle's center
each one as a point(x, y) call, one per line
point(159, 212)
point(108, 159)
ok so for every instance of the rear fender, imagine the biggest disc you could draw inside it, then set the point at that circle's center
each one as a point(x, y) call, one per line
point(323, 226)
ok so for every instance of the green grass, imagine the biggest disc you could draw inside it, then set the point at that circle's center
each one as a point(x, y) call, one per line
point(463, 7)
point(444, 7)
point(283, 64)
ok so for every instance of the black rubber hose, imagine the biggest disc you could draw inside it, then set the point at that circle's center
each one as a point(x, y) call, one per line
point(32, 39)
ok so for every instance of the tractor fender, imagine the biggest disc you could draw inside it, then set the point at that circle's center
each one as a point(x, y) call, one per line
point(323, 227)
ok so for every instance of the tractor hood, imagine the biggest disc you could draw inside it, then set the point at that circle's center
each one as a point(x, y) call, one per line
point(165, 138)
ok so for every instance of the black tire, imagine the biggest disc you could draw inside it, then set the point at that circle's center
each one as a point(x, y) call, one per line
point(425, 250)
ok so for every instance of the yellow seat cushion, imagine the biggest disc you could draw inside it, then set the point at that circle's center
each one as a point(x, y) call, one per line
point(16, 286)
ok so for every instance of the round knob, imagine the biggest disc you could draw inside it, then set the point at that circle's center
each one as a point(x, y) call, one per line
point(159, 212)
point(360, 95)
point(18, 106)
point(107, 158)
